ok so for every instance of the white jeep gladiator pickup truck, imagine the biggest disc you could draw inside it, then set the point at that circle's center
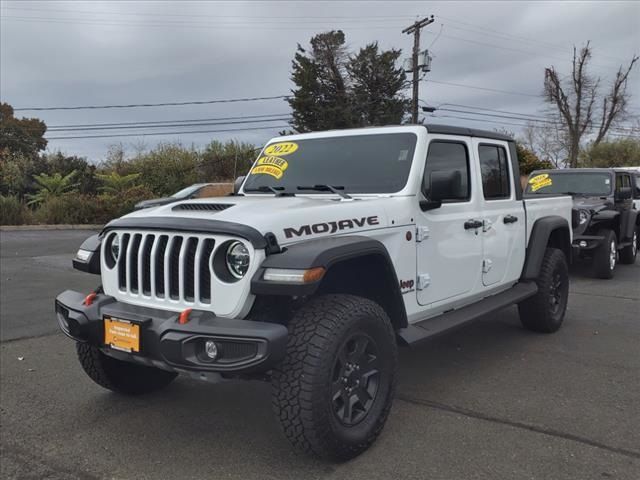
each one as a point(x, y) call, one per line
point(336, 248)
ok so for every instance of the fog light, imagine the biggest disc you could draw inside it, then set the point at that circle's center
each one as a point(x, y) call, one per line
point(583, 244)
point(211, 349)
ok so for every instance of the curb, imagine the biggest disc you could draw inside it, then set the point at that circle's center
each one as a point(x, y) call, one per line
point(12, 228)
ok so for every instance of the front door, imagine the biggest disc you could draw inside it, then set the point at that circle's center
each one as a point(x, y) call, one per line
point(503, 230)
point(449, 254)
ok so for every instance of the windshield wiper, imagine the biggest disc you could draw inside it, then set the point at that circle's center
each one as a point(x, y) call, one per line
point(278, 191)
point(326, 188)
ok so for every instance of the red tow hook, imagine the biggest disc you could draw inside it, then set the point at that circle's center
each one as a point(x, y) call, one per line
point(88, 300)
point(184, 316)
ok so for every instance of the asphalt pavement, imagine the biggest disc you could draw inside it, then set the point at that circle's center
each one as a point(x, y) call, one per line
point(491, 401)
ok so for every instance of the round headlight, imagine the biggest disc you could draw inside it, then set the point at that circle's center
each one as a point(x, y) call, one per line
point(115, 247)
point(583, 217)
point(237, 259)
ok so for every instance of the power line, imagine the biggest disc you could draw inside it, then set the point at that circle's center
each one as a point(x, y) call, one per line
point(146, 134)
point(49, 127)
point(165, 104)
point(486, 89)
point(171, 125)
point(506, 35)
point(154, 14)
point(279, 26)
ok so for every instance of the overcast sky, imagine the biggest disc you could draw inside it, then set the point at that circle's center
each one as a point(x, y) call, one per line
point(112, 53)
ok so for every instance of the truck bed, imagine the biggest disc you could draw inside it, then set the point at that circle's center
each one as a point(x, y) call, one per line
point(543, 206)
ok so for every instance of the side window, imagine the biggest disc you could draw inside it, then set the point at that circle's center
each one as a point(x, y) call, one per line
point(622, 181)
point(494, 168)
point(448, 157)
point(636, 188)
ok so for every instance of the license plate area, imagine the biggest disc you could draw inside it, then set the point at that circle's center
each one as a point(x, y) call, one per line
point(121, 334)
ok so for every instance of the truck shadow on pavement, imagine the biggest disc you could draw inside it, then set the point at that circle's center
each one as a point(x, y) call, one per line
point(192, 419)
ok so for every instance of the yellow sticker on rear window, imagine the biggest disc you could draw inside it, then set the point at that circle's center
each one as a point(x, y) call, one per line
point(281, 163)
point(267, 170)
point(282, 148)
point(540, 181)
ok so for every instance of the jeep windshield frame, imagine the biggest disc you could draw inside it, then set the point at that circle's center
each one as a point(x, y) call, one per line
point(377, 163)
point(586, 184)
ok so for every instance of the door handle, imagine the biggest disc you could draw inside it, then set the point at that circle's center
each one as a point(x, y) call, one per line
point(510, 219)
point(471, 224)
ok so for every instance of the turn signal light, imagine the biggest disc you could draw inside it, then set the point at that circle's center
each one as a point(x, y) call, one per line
point(184, 316)
point(88, 300)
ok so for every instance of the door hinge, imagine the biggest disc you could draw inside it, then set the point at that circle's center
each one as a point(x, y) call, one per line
point(422, 233)
point(486, 225)
point(424, 280)
point(486, 265)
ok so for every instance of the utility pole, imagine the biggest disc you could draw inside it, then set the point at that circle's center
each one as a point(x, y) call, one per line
point(415, 30)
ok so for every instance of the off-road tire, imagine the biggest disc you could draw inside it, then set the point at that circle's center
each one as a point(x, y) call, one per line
point(545, 311)
point(602, 262)
point(302, 384)
point(628, 254)
point(119, 376)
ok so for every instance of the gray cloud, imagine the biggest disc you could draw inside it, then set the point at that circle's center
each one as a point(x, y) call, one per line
point(80, 53)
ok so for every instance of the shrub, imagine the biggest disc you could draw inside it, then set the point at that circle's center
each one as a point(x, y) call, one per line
point(13, 211)
point(67, 209)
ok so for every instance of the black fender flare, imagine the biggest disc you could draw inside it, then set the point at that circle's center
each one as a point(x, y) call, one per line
point(328, 252)
point(541, 233)
point(92, 263)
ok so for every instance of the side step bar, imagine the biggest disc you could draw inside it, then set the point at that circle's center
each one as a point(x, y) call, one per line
point(432, 327)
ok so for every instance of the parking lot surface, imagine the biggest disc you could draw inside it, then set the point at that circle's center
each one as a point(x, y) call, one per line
point(489, 401)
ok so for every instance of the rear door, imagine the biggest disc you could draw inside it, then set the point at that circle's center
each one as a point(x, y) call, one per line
point(449, 253)
point(504, 229)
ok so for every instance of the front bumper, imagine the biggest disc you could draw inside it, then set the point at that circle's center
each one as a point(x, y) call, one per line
point(585, 244)
point(244, 346)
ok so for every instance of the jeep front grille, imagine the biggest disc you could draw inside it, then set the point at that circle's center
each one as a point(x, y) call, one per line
point(165, 266)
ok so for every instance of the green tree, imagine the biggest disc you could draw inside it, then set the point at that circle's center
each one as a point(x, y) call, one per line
point(622, 152)
point(17, 171)
point(167, 168)
point(321, 99)
point(377, 85)
point(226, 161)
point(52, 186)
point(58, 162)
point(528, 161)
point(23, 136)
point(115, 184)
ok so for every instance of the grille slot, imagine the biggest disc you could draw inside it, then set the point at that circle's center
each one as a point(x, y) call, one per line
point(174, 267)
point(215, 207)
point(159, 264)
point(167, 267)
point(205, 273)
point(132, 260)
point(122, 262)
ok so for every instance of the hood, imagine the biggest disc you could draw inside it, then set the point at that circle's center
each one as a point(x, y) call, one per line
point(154, 202)
point(290, 219)
point(590, 203)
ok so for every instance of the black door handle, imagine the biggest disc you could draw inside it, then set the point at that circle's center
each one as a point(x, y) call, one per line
point(510, 219)
point(470, 224)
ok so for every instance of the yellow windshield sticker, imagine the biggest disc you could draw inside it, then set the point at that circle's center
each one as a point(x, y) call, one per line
point(267, 170)
point(281, 163)
point(540, 181)
point(280, 149)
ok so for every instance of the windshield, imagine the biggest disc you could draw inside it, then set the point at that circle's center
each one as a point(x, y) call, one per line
point(580, 183)
point(185, 192)
point(377, 163)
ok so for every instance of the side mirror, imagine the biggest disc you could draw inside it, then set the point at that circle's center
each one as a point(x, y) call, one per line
point(238, 183)
point(623, 193)
point(443, 185)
